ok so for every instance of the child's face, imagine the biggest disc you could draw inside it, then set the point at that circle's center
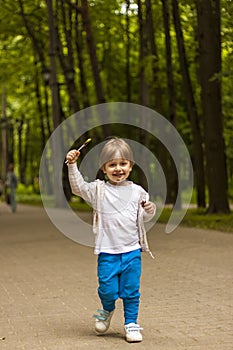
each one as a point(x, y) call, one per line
point(117, 170)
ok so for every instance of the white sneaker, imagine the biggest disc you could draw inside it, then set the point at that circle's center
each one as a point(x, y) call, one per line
point(132, 332)
point(103, 320)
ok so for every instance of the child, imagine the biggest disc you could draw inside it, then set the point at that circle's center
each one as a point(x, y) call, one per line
point(120, 208)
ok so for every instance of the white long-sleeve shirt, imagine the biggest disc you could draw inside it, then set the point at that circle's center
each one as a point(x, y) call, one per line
point(118, 224)
point(118, 215)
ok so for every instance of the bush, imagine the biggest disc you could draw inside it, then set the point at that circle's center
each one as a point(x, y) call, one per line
point(22, 189)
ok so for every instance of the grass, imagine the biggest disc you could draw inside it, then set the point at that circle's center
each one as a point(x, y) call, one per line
point(193, 218)
point(198, 218)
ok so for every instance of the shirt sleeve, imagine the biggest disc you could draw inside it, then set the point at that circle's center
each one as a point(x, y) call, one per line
point(80, 187)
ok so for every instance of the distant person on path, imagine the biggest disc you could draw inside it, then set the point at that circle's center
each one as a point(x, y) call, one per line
point(11, 183)
point(120, 209)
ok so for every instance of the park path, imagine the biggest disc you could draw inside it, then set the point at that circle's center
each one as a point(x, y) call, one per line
point(48, 289)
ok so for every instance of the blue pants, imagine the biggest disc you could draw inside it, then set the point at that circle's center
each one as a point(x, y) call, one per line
point(12, 200)
point(119, 277)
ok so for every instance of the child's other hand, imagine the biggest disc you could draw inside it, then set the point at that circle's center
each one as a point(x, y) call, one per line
point(149, 207)
point(72, 156)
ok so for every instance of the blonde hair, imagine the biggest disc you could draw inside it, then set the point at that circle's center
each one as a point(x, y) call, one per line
point(115, 148)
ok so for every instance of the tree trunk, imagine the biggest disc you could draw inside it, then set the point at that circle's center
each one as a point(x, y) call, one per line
point(67, 63)
point(156, 88)
point(94, 61)
point(20, 148)
point(209, 37)
point(79, 48)
point(172, 177)
point(169, 65)
point(143, 85)
point(192, 109)
point(26, 150)
point(127, 68)
point(4, 144)
point(144, 94)
point(40, 109)
point(53, 53)
point(56, 105)
point(143, 52)
point(23, 146)
point(92, 51)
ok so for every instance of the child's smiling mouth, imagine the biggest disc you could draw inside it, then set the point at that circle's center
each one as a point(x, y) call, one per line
point(118, 174)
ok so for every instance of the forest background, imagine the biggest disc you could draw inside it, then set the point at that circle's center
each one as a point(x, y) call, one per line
point(175, 57)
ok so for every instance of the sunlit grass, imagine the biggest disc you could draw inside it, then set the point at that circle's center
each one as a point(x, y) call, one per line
point(198, 218)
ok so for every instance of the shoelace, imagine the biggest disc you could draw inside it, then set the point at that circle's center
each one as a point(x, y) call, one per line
point(103, 315)
point(134, 328)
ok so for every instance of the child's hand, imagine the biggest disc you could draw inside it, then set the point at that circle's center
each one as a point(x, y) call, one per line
point(72, 156)
point(149, 207)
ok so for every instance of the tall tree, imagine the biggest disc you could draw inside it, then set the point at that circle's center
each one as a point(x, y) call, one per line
point(53, 53)
point(209, 38)
point(79, 43)
point(67, 61)
point(56, 102)
point(94, 59)
point(92, 51)
point(169, 64)
point(172, 179)
point(192, 108)
point(127, 52)
point(143, 52)
point(144, 93)
point(156, 97)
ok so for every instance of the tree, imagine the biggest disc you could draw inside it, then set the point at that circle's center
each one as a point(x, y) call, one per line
point(116, 51)
point(92, 51)
point(192, 109)
point(172, 178)
point(93, 59)
point(127, 52)
point(53, 54)
point(157, 93)
point(209, 38)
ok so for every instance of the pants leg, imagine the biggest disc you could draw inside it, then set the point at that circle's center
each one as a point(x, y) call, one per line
point(130, 285)
point(108, 274)
point(13, 200)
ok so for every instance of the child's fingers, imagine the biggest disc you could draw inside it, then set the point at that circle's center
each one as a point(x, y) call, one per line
point(148, 207)
point(72, 156)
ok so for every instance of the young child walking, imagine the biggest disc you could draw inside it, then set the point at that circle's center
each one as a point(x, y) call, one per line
point(120, 208)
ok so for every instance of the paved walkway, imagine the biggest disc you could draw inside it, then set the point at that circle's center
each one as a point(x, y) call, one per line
point(48, 289)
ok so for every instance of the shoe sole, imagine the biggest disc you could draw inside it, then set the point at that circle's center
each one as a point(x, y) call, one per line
point(133, 340)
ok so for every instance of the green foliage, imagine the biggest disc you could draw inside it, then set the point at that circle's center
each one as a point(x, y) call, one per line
point(80, 206)
point(29, 199)
point(25, 190)
point(22, 60)
point(230, 190)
